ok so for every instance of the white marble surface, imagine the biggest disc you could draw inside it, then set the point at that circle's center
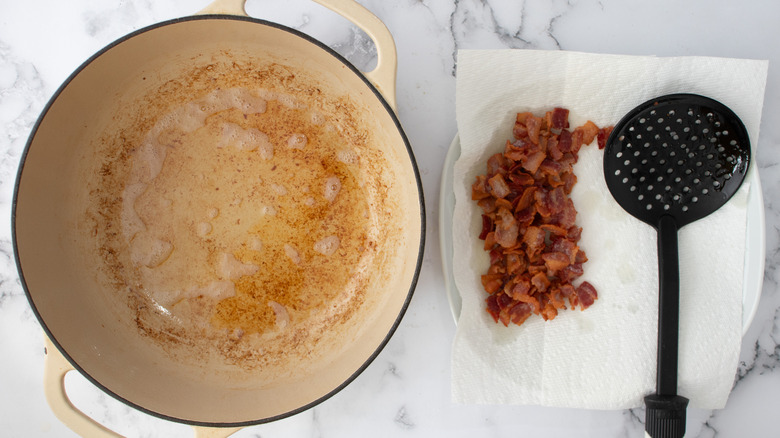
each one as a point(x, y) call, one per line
point(405, 392)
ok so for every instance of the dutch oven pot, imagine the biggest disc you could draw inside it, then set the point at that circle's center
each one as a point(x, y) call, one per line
point(57, 263)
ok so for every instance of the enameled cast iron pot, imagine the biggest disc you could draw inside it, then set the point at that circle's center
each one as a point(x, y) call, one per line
point(57, 268)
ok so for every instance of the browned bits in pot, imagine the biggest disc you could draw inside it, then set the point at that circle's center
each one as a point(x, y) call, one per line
point(529, 220)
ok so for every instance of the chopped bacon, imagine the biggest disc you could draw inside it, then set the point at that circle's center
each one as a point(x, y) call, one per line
point(534, 241)
point(519, 180)
point(533, 125)
point(529, 220)
point(479, 189)
point(519, 313)
point(492, 282)
point(569, 179)
point(540, 281)
point(567, 247)
point(553, 149)
point(526, 199)
point(564, 141)
point(495, 257)
point(498, 186)
point(558, 119)
point(589, 132)
point(549, 312)
point(492, 307)
point(567, 214)
point(487, 226)
point(554, 229)
point(587, 294)
point(533, 161)
point(506, 229)
point(488, 205)
point(519, 289)
point(555, 261)
point(603, 135)
point(515, 263)
point(550, 167)
point(497, 164)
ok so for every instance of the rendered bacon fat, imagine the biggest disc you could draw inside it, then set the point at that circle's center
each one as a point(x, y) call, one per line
point(528, 221)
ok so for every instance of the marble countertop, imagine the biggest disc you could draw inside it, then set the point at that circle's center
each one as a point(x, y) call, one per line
point(406, 390)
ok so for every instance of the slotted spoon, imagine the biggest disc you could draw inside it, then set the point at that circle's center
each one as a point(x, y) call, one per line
point(671, 161)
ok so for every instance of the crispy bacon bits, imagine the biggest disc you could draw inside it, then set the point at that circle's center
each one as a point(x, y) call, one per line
point(528, 220)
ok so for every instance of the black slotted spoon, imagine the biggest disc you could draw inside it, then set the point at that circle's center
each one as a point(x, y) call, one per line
point(671, 161)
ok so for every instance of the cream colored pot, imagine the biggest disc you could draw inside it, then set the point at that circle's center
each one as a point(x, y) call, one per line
point(218, 220)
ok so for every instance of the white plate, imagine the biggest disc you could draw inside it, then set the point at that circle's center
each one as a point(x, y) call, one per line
point(755, 245)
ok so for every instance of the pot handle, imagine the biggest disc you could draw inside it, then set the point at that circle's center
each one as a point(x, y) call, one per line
point(383, 76)
point(55, 368)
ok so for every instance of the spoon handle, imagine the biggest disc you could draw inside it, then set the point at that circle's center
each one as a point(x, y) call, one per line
point(665, 410)
point(668, 306)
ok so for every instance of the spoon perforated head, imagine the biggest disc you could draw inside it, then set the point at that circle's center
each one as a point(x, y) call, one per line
point(682, 155)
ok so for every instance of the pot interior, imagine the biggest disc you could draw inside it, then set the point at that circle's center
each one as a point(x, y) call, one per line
point(218, 221)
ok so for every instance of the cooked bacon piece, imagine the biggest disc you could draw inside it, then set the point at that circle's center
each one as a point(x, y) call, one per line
point(497, 163)
point(567, 214)
point(526, 199)
point(533, 240)
point(522, 118)
point(495, 257)
point(558, 119)
point(487, 226)
point(519, 313)
point(520, 289)
point(557, 202)
point(498, 186)
point(515, 263)
point(553, 149)
point(589, 132)
point(488, 205)
point(514, 152)
point(492, 282)
point(492, 307)
point(505, 303)
point(540, 281)
point(568, 291)
point(603, 135)
point(554, 229)
point(529, 221)
point(479, 189)
point(570, 273)
point(569, 179)
point(525, 217)
point(533, 124)
point(520, 180)
point(550, 167)
point(520, 131)
point(532, 300)
point(533, 161)
point(557, 298)
point(574, 234)
point(566, 247)
point(549, 312)
point(587, 294)
point(576, 141)
point(506, 228)
point(541, 205)
point(555, 261)
point(564, 141)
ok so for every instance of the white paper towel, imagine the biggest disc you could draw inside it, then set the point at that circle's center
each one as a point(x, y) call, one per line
point(604, 357)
